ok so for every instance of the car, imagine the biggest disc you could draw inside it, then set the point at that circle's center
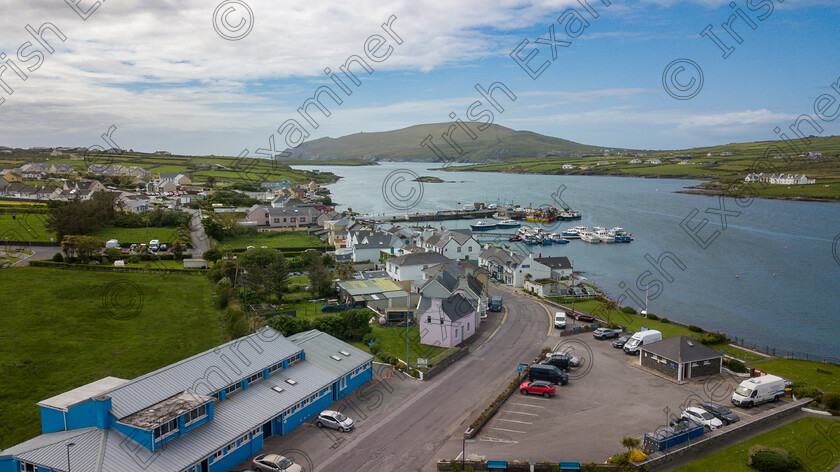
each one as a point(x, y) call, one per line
point(606, 333)
point(561, 362)
point(702, 416)
point(621, 341)
point(720, 412)
point(548, 373)
point(580, 316)
point(164, 247)
point(334, 420)
point(538, 387)
point(274, 463)
point(574, 361)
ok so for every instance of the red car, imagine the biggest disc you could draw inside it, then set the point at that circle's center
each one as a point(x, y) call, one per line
point(537, 387)
point(581, 316)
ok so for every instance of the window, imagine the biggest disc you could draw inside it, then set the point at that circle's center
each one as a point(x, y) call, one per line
point(468, 326)
point(284, 220)
point(441, 320)
point(255, 377)
point(233, 388)
point(195, 414)
point(170, 427)
point(456, 334)
point(276, 220)
point(218, 454)
point(276, 366)
point(302, 219)
point(469, 248)
point(293, 219)
point(429, 319)
point(459, 249)
point(344, 382)
point(24, 467)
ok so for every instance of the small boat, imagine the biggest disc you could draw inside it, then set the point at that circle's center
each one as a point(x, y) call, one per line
point(620, 235)
point(569, 214)
point(589, 237)
point(574, 233)
point(603, 235)
point(557, 239)
point(483, 226)
point(508, 224)
point(515, 239)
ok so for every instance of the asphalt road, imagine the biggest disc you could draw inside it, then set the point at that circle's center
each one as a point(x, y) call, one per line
point(200, 241)
point(410, 437)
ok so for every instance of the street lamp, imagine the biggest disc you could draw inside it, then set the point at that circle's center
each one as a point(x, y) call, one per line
point(69, 445)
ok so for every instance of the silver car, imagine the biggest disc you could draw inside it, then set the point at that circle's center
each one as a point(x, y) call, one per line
point(275, 463)
point(334, 420)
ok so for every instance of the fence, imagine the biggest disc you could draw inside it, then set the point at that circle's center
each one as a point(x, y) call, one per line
point(775, 351)
point(107, 268)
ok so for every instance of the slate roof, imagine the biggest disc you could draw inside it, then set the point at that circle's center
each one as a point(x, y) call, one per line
point(558, 263)
point(502, 257)
point(456, 307)
point(418, 258)
point(681, 349)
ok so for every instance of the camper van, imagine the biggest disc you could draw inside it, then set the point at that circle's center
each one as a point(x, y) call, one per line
point(641, 338)
point(560, 320)
point(112, 243)
point(154, 245)
point(767, 388)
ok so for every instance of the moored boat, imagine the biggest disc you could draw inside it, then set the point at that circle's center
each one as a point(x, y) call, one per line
point(589, 237)
point(483, 226)
point(508, 224)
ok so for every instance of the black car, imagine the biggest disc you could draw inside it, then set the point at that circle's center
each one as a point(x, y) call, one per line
point(559, 361)
point(548, 373)
point(721, 412)
point(620, 342)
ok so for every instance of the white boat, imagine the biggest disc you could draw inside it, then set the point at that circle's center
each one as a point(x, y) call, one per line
point(589, 237)
point(603, 235)
point(508, 224)
point(524, 230)
point(483, 226)
point(574, 233)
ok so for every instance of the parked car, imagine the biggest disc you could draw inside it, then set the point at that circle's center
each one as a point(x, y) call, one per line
point(334, 420)
point(580, 316)
point(164, 247)
point(574, 361)
point(538, 387)
point(274, 463)
point(720, 412)
point(561, 362)
point(621, 341)
point(560, 320)
point(495, 303)
point(606, 333)
point(702, 416)
point(549, 373)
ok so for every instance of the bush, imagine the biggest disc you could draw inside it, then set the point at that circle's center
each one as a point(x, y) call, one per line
point(735, 365)
point(802, 392)
point(664, 320)
point(629, 310)
point(58, 257)
point(621, 459)
point(134, 259)
point(711, 338)
point(653, 317)
point(113, 254)
point(831, 401)
point(695, 328)
point(772, 459)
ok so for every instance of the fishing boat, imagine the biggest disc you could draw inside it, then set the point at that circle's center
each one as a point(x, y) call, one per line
point(620, 235)
point(589, 237)
point(603, 235)
point(567, 214)
point(556, 238)
point(483, 226)
point(508, 224)
point(574, 233)
point(524, 230)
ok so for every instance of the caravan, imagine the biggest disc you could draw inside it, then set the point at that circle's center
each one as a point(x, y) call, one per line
point(641, 338)
point(757, 390)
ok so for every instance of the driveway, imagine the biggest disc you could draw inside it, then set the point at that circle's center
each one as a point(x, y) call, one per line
point(200, 240)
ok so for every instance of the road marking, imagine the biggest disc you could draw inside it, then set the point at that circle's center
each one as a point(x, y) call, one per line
point(509, 430)
point(525, 404)
point(515, 421)
point(550, 319)
point(504, 317)
point(521, 413)
point(498, 440)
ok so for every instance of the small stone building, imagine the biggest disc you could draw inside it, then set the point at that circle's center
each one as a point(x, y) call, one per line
point(681, 358)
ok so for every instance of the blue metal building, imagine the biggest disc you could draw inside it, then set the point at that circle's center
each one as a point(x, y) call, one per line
point(178, 419)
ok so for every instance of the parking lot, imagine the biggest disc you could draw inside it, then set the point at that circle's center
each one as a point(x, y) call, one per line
point(606, 399)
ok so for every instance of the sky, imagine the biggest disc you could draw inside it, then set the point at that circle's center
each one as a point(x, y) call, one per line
point(220, 77)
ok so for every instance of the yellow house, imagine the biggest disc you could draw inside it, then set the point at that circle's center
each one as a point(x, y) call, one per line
point(10, 177)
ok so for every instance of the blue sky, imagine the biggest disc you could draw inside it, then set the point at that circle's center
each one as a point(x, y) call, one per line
point(164, 76)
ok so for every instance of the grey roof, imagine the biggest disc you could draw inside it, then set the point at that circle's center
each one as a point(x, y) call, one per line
point(459, 236)
point(681, 349)
point(320, 346)
point(424, 304)
point(203, 373)
point(419, 258)
point(475, 285)
point(502, 257)
point(457, 268)
point(555, 262)
point(456, 307)
point(172, 175)
point(374, 240)
point(445, 279)
point(371, 274)
point(81, 394)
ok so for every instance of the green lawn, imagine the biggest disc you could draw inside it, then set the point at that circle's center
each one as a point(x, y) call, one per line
point(275, 239)
point(139, 235)
point(58, 333)
point(155, 264)
point(393, 341)
point(804, 371)
point(24, 227)
point(810, 439)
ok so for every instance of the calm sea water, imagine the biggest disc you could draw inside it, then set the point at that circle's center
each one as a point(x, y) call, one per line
point(770, 276)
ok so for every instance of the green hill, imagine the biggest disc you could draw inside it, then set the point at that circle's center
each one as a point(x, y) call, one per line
point(494, 144)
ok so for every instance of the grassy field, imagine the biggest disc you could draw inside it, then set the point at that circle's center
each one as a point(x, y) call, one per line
point(722, 171)
point(821, 375)
point(138, 235)
point(24, 227)
point(810, 439)
point(393, 341)
point(88, 325)
point(275, 239)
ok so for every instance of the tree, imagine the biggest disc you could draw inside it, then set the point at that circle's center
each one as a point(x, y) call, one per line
point(319, 277)
point(229, 222)
point(178, 250)
point(213, 228)
point(344, 270)
point(113, 254)
point(309, 256)
point(630, 443)
point(265, 271)
point(212, 254)
point(83, 247)
point(211, 181)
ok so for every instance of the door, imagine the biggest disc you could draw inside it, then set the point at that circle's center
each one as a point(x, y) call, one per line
point(462, 332)
point(205, 466)
point(686, 371)
point(267, 430)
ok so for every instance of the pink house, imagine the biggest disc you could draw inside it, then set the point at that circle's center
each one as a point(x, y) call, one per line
point(446, 322)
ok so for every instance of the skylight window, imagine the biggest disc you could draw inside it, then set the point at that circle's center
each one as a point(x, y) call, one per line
point(335, 358)
point(291, 382)
point(277, 389)
point(344, 353)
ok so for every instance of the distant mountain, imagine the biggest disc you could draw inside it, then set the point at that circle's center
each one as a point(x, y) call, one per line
point(494, 144)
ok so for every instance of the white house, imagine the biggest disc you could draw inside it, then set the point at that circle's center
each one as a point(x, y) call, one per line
point(654, 161)
point(454, 244)
point(635, 161)
point(568, 166)
point(366, 244)
point(409, 267)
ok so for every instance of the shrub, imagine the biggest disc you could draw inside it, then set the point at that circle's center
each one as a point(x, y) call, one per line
point(58, 257)
point(134, 259)
point(831, 401)
point(695, 328)
point(653, 317)
point(664, 320)
point(735, 365)
point(621, 459)
point(772, 459)
point(629, 310)
point(802, 392)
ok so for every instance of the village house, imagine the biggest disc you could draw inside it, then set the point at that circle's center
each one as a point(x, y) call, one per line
point(779, 179)
point(34, 170)
point(454, 244)
point(62, 168)
point(409, 267)
point(568, 166)
point(443, 280)
point(180, 178)
point(635, 161)
point(446, 322)
point(653, 161)
point(681, 358)
point(284, 217)
point(382, 295)
point(367, 244)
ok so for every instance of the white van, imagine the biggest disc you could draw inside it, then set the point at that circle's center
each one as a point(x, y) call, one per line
point(641, 338)
point(112, 243)
point(154, 245)
point(560, 320)
point(767, 388)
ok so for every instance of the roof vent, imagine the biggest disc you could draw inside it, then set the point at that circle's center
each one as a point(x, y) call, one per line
point(344, 353)
point(277, 389)
point(335, 358)
point(691, 344)
point(291, 382)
